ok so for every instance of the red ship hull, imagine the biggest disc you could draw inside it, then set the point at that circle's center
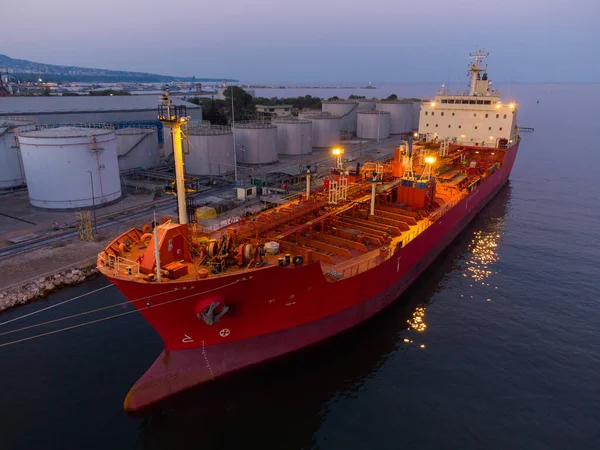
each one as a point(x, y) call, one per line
point(279, 309)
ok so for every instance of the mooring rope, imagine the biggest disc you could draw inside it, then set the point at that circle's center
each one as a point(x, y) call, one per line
point(114, 316)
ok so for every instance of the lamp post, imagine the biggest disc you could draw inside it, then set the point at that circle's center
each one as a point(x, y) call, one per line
point(93, 199)
point(233, 131)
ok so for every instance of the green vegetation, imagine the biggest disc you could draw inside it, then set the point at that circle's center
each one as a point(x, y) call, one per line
point(392, 97)
point(242, 101)
point(218, 112)
point(356, 97)
point(305, 102)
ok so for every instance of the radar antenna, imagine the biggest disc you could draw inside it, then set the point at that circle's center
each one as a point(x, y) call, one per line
point(475, 68)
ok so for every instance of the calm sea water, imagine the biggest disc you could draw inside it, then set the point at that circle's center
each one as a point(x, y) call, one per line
point(508, 317)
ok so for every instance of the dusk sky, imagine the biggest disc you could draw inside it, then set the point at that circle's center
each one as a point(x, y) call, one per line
point(323, 41)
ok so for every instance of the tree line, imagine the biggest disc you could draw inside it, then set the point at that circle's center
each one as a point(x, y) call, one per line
point(218, 112)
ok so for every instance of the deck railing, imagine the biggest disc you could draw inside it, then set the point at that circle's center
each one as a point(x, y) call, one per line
point(118, 266)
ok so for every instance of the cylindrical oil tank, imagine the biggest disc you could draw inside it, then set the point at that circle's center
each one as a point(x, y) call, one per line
point(373, 124)
point(71, 167)
point(366, 104)
point(294, 136)
point(325, 128)
point(401, 112)
point(256, 143)
point(346, 109)
point(416, 113)
point(137, 147)
point(12, 173)
point(211, 150)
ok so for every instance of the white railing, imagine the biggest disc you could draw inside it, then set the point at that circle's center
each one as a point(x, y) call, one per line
point(117, 265)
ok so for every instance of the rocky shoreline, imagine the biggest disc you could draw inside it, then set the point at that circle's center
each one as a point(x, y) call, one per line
point(44, 286)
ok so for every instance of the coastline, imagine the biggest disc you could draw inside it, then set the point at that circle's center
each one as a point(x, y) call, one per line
point(43, 285)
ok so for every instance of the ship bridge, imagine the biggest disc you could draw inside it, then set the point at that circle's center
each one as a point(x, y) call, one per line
point(475, 117)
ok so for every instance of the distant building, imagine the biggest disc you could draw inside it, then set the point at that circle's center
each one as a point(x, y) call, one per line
point(105, 109)
point(275, 110)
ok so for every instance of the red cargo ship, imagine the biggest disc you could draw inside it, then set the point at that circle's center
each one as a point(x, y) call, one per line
point(254, 288)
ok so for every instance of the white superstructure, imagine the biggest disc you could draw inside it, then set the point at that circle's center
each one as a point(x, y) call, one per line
point(476, 117)
point(71, 167)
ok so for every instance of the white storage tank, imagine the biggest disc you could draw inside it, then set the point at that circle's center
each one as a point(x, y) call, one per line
point(366, 104)
point(401, 112)
point(137, 147)
point(416, 113)
point(167, 142)
point(373, 124)
point(11, 164)
point(64, 165)
point(346, 109)
point(325, 128)
point(211, 150)
point(256, 143)
point(294, 136)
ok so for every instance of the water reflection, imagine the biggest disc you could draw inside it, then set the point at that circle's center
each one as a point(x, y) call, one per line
point(416, 322)
point(283, 404)
point(484, 252)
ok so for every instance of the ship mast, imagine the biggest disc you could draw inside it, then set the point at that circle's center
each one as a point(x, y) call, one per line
point(175, 116)
point(476, 68)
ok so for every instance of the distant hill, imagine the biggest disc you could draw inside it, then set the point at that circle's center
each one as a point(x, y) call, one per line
point(28, 71)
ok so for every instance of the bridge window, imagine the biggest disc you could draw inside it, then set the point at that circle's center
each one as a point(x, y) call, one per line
point(487, 102)
point(497, 116)
point(486, 116)
point(442, 113)
point(471, 102)
point(465, 102)
point(505, 116)
point(432, 113)
point(480, 102)
point(426, 112)
point(451, 101)
point(444, 101)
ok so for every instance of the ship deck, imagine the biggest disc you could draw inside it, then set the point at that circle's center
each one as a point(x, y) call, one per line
point(343, 236)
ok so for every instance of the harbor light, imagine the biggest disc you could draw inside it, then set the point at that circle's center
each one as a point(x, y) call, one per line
point(512, 106)
point(337, 151)
point(416, 135)
point(432, 104)
point(429, 159)
point(498, 106)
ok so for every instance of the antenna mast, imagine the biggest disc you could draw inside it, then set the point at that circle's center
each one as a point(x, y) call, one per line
point(475, 68)
point(175, 116)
